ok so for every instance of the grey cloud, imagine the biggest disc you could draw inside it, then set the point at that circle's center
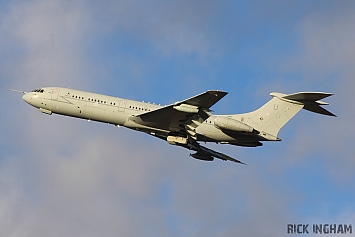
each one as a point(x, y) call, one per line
point(44, 40)
point(89, 192)
point(104, 184)
point(328, 40)
point(327, 58)
point(66, 177)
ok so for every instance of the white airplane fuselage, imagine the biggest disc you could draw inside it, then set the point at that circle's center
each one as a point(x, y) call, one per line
point(185, 122)
point(111, 110)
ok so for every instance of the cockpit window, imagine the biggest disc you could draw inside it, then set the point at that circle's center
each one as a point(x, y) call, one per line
point(40, 90)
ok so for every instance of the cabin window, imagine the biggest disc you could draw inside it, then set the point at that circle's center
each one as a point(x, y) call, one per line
point(39, 90)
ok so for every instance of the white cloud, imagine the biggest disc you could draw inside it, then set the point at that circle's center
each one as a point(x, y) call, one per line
point(45, 40)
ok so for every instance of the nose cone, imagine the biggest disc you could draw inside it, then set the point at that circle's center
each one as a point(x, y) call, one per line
point(26, 97)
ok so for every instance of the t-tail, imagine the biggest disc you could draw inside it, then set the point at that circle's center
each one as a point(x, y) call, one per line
point(272, 116)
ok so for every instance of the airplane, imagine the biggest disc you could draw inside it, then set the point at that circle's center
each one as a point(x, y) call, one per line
point(184, 123)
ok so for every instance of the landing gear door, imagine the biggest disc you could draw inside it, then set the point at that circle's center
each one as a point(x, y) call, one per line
point(122, 106)
point(55, 93)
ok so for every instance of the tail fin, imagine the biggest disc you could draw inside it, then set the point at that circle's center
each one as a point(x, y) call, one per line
point(272, 116)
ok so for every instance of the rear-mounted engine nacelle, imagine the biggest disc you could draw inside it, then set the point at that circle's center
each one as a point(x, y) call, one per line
point(230, 124)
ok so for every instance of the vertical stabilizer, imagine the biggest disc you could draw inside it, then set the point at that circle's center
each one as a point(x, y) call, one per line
point(273, 115)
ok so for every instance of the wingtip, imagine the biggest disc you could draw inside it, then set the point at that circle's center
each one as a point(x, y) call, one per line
point(217, 91)
point(236, 161)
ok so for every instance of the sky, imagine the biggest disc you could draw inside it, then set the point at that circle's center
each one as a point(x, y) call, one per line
point(63, 176)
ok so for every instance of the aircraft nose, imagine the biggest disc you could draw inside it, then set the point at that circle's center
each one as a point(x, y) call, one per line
point(26, 97)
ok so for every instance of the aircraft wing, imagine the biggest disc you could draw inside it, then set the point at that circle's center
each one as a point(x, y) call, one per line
point(174, 115)
point(205, 153)
point(202, 153)
point(204, 100)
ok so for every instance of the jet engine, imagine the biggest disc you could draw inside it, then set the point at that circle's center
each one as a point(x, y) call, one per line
point(233, 125)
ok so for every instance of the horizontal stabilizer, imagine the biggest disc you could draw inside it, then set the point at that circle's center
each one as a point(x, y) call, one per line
point(311, 101)
point(307, 96)
point(319, 110)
